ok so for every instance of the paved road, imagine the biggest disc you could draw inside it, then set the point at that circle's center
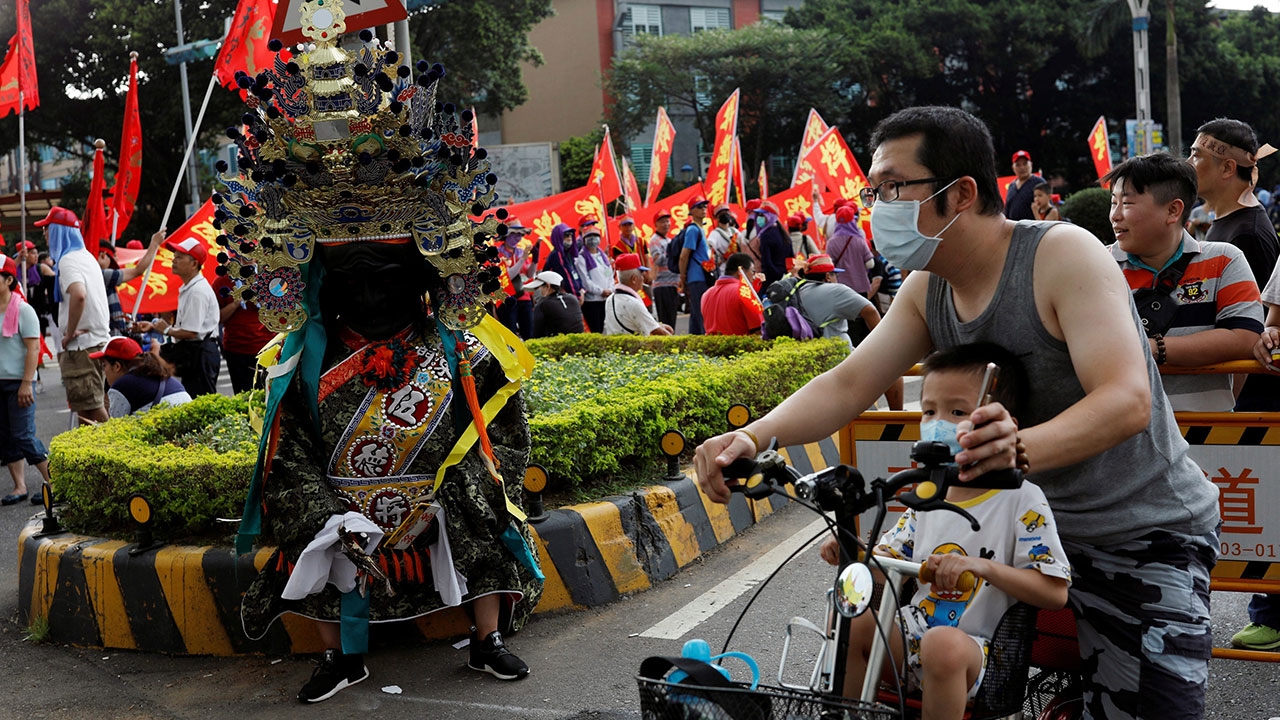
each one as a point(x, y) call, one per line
point(583, 662)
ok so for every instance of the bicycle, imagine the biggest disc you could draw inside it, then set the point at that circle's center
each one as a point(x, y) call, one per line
point(842, 491)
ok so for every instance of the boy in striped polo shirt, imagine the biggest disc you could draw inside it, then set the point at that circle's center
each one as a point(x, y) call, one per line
point(1217, 315)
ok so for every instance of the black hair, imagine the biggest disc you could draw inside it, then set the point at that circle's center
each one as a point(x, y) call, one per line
point(1162, 175)
point(953, 144)
point(737, 261)
point(1233, 132)
point(14, 285)
point(1009, 390)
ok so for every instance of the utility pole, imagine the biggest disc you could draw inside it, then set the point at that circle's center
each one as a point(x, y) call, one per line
point(193, 179)
point(1138, 9)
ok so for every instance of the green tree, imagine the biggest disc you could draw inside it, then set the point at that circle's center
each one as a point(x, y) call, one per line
point(780, 71)
point(82, 55)
point(576, 156)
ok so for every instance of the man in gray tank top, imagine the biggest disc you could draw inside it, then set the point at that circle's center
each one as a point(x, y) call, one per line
point(1137, 517)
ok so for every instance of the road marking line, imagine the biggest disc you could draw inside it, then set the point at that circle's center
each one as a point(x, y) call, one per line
point(675, 625)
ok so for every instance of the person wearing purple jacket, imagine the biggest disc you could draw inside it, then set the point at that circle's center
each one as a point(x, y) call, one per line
point(564, 250)
point(848, 249)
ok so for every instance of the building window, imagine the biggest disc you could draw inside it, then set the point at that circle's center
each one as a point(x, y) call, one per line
point(708, 19)
point(641, 20)
point(641, 157)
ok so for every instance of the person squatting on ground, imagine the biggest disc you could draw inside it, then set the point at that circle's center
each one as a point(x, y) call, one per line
point(19, 356)
point(1136, 516)
point(394, 432)
point(1015, 556)
point(138, 380)
point(555, 312)
point(82, 314)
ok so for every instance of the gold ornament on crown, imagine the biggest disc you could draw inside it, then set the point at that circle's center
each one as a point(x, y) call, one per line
point(341, 144)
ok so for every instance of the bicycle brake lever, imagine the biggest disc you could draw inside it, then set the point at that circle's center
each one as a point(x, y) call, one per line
point(758, 475)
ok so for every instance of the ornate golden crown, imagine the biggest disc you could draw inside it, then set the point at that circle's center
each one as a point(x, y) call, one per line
point(343, 144)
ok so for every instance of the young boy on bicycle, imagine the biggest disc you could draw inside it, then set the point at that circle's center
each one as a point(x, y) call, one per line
point(1015, 556)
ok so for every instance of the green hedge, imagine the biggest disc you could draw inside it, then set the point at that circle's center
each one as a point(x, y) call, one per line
point(1091, 209)
point(192, 462)
point(621, 428)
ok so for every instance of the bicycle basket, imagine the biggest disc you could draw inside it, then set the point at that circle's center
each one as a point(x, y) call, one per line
point(661, 700)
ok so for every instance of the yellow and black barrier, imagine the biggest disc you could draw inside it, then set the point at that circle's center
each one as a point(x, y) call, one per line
point(186, 600)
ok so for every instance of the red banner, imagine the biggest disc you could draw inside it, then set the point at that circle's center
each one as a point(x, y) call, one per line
point(245, 46)
point(676, 203)
point(814, 127)
point(604, 171)
point(569, 207)
point(95, 213)
point(1100, 148)
point(719, 174)
point(124, 192)
point(630, 190)
point(837, 174)
point(739, 185)
point(798, 199)
point(18, 74)
point(763, 180)
point(664, 134)
point(163, 284)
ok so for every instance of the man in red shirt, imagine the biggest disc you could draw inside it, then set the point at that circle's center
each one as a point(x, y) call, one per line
point(243, 335)
point(731, 306)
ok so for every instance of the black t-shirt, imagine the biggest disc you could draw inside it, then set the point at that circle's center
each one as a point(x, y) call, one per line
point(1017, 201)
point(557, 314)
point(1250, 230)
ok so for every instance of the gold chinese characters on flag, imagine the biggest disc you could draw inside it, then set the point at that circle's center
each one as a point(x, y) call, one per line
point(162, 285)
point(837, 174)
point(1099, 147)
point(814, 127)
point(664, 135)
point(719, 175)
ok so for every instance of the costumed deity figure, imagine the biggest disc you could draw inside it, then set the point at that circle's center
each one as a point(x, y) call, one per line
point(395, 437)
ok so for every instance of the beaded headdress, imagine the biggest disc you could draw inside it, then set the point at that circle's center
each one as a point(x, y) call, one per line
point(342, 144)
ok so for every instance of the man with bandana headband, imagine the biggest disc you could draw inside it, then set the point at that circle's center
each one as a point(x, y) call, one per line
point(1137, 517)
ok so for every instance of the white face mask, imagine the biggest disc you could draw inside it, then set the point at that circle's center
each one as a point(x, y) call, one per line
point(943, 431)
point(895, 228)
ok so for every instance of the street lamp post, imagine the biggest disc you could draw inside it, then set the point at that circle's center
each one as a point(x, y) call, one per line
point(1142, 73)
point(193, 180)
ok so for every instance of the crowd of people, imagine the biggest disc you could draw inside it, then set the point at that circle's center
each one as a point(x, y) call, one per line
point(111, 364)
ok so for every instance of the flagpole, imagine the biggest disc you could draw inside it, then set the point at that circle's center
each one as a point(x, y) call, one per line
point(177, 183)
point(22, 184)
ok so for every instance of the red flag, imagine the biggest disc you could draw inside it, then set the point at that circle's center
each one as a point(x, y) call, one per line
point(569, 207)
point(18, 74)
point(814, 127)
point(719, 174)
point(738, 184)
point(798, 199)
point(163, 284)
point(124, 192)
point(748, 295)
point(837, 173)
point(245, 46)
point(763, 180)
point(604, 171)
point(664, 134)
point(95, 214)
point(630, 190)
point(1100, 148)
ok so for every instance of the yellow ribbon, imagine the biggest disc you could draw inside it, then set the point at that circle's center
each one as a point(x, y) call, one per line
point(517, 365)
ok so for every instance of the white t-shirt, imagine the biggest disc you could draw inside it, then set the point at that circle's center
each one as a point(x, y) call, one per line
point(1017, 529)
point(1271, 293)
point(80, 266)
point(197, 308)
point(625, 314)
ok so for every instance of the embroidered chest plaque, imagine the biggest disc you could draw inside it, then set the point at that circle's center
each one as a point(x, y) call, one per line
point(368, 468)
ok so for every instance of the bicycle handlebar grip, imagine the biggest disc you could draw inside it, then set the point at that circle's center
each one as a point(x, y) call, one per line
point(966, 582)
point(740, 469)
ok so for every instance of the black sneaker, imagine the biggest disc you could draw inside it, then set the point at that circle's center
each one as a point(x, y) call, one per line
point(334, 673)
point(492, 656)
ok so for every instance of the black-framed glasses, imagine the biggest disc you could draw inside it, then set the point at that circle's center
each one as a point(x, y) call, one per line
point(888, 190)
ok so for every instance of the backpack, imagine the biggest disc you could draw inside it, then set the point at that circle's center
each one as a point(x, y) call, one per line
point(674, 246)
point(784, 317)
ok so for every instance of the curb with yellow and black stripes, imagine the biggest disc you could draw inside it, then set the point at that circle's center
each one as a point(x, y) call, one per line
point(186, 600)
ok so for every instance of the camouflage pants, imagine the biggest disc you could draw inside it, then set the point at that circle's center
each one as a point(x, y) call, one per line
point(1142, 613)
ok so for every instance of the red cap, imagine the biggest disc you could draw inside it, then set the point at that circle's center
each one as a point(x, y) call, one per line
point(120, 348)
point(662, 214)
point(191, 246)
point(28, 245)
point(822, 264)
point(626, 220)
point(134, 245)
point(1022, 155)
point(797, 221)
point(770, 206)
point(846, 214)
point(628, 261)
point(9, 266)
point(697, 200)
point(752, 204)
point(59, 215)
point(839, 203)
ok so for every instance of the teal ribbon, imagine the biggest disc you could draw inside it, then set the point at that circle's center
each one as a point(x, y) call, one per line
point(355, 623)
point(516, 545)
